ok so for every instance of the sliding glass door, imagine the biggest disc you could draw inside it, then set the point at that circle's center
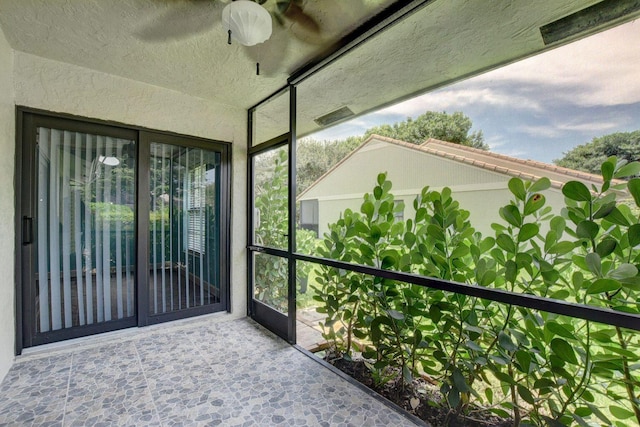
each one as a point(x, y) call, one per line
point(120, 227)
point(78, 229)
point(184, 230)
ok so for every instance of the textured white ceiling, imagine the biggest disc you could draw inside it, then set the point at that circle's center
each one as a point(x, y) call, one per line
point(177, 44)
point(181, 45)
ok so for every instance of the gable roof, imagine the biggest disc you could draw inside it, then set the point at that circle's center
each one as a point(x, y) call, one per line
point(530, 170)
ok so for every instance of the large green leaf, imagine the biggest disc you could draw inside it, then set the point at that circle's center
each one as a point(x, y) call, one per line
point(633, 235)
point(623, 271)
point(606, 247)
point(594, 263)
point(603, 285)
point(540, 185)
point(505, 342)
point(528, 231)
point(559, 329)
point(620, 413)
point(367, 209)
point(587, 230)
point(634, 188)
point(524, 360)
point(525, 394)
point(630, 169)
point(460, 382)
point(557, 224)
point(409, 239)
point(517, 188)
point(506, 243)
point(563, 350)
point(604, 210)
point(562, 248)
point(487, 278)
point(511, 214)
point(436, 232)
point(502, 377)
point(511, 271)
point(388, 261)
point(617, 217)
point(377, 192)
point(575, 190)
point(534, 203)
point(607, 169)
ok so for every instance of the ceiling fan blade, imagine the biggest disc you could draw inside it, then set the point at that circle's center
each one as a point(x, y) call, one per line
point(182, 19)
point(295, 13)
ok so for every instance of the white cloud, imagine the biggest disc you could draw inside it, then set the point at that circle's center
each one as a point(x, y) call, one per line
point(457, 98)
point(589, 127)
point(598, 70)
point(555, 130)
point(540, 131)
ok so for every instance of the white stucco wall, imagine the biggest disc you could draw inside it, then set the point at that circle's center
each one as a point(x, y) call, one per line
point(7, 146)
point(56, 86)
point(480, 191)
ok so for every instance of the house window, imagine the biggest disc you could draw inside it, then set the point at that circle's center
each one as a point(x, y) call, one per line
point(309, 215)
point(398, 210)
point(196, 209)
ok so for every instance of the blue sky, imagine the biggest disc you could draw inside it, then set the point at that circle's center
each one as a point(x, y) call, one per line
point(543, 106)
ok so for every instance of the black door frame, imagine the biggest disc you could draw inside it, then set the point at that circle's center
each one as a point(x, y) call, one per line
point(279, 323)
point(146, 139)
point(27, 120)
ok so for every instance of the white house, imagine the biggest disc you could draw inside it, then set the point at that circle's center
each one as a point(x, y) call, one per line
point(477, 178)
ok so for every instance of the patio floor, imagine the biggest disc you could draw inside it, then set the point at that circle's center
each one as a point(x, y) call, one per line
point(232, 373)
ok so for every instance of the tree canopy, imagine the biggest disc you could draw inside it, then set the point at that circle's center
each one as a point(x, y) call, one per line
point(315, 157)
point(433, 124)
point(588, 157)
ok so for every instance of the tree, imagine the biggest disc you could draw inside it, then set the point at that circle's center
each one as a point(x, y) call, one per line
point(588, 157)
point(432, 124)
point(314, 158)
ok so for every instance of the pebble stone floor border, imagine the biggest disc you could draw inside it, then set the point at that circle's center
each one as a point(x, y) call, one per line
point(201, 373)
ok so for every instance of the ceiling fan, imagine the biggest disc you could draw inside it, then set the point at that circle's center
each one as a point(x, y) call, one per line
point(183, 19)
point(187, 18)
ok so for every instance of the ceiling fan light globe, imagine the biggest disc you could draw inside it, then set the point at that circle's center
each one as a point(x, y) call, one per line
point(249, 22)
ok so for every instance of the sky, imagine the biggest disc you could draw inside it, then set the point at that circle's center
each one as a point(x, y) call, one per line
point(543, 106)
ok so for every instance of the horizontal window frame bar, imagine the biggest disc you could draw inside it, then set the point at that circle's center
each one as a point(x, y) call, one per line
point(282, 253)
point(550, 305)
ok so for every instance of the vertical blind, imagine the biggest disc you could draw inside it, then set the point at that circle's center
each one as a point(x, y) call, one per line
point(85, 233)
point(183, 228)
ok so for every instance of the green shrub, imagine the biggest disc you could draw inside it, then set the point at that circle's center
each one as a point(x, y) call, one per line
point(549, 369)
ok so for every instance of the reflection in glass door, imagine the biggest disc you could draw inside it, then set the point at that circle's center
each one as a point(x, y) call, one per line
point(184, 229)
point(84, 217)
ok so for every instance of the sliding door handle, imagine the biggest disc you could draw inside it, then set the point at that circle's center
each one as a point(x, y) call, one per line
point(27, 230)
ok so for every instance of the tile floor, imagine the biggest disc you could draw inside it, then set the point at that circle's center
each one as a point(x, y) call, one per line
point(231, 373)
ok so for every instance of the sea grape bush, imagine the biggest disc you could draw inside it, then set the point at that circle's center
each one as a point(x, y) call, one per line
point(536, 368)
point(271, 205)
